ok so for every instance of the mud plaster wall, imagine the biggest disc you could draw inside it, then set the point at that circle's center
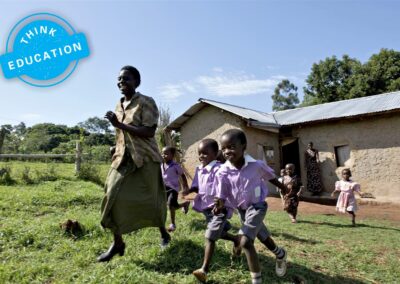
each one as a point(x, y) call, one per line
point(374, 157)
point(211, 122)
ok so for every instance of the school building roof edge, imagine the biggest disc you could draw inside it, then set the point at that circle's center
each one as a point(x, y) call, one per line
point(352, 108)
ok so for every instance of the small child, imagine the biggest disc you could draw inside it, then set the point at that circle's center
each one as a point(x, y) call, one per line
point(240, 184)
point(203, 184)
point(347, 200)
point(171, 172)
point(280, 179)
point(294, 188)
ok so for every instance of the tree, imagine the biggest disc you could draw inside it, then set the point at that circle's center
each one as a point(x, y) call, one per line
point(285, 96)
point(163, 120)
point(20, 130)
point(329, 80)
point(333, 79)
point(44, 137)
point(96, 125)
point(5, 130)
point(380, 74)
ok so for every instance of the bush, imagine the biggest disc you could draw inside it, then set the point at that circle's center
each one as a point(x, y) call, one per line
point(26, 177)
point(90, 172)
point(98, 153)
point(49, 174)
point(5, 176)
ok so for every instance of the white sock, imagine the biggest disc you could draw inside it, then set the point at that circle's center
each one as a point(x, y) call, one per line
point(256, 278)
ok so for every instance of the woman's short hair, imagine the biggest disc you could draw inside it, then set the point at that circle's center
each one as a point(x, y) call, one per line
point(135, 73)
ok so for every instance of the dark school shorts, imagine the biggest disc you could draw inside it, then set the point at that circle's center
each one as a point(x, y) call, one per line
point(172, 197)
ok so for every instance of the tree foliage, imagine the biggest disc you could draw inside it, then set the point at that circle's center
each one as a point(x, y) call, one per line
point(335, 79)
point(96, 125)
point(285, 96)
point(329, 80)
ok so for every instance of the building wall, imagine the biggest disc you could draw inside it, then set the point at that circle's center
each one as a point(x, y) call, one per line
point(211, 122)
point(375, 152)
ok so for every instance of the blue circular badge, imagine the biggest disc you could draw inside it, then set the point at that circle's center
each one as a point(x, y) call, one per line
point(43, 50)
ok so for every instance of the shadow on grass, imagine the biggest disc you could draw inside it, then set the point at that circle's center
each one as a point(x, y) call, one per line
point(201, 225)
point(296, 239)
point(198, 224)
point(348, 225)
point(299, 274)
point(185, 256)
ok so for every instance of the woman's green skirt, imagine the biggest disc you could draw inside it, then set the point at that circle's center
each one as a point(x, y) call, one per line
point(134, 198)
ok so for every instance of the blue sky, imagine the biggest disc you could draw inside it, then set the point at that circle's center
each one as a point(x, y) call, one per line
point(230, 51)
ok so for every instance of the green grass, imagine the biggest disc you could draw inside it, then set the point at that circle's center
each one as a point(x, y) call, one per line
point(34, 249)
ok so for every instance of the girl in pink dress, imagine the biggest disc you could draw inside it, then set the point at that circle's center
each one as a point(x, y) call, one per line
point(347, 200)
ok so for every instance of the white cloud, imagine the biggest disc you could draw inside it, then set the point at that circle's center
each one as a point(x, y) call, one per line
point(236, 85)
point(170, 92)
point(224, 84)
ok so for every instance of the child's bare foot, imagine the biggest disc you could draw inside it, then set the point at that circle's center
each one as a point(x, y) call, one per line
point(201, 275)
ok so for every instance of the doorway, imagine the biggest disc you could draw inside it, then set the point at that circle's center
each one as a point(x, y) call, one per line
point(291, 154)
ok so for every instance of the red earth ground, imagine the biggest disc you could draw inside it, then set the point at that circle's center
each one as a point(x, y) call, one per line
point(388, 212)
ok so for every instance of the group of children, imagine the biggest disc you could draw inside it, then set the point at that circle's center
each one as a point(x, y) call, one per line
point(346, 201)
point(238, 185)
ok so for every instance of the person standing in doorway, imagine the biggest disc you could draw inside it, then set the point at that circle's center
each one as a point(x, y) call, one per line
point(314, 183)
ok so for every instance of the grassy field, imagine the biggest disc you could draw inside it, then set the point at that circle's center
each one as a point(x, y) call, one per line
point(34, 249)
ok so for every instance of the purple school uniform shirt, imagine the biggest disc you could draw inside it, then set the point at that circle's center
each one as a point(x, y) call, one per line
point(171, 173)
point(204, 179)
point(241, 188)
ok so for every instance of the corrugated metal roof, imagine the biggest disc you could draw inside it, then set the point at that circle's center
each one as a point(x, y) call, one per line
point(246, 113)
point(334, 110)
point(340, 109)
point(180, 120)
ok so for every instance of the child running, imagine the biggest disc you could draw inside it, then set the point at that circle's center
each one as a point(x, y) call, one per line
point(292, 194)
point(203, 184)
point(347, 200)
point(171, 172)
point(240, 184)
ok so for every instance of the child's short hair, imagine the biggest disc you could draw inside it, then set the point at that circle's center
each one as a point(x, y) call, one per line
point(236, 134)
point(170, 149)
point(210, 143)
point(290, 165)
point(135, 73)
point(346, 170)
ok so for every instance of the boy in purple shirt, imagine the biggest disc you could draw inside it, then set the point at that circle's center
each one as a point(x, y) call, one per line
point(171, 172)
point(217, 225)
point(240, 183)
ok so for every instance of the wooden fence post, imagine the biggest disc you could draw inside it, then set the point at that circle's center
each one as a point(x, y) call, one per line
point(78, 157)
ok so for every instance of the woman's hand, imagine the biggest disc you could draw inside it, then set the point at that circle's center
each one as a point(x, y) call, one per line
point(112, 118)
point(333, 194)
point(185, 191)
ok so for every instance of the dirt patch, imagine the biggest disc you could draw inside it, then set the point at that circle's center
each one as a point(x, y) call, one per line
point(387, 212)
